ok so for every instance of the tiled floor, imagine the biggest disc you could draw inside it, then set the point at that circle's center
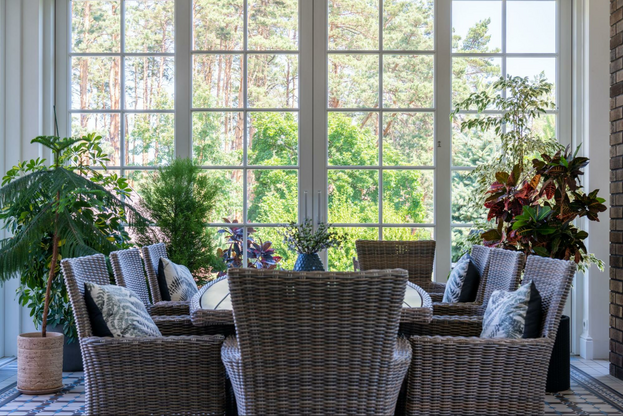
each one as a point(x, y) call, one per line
point(593, 392)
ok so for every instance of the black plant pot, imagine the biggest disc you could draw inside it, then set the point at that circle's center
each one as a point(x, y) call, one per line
point(72, 357)
point(559, 373)
point(308, 263)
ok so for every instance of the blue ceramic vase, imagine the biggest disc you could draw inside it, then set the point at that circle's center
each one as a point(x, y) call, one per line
point(308, 263)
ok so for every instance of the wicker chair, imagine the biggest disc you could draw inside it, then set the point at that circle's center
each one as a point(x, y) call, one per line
point(140, 376)
point(151, 255)
point(417, 257)
point(316, 342)
point(500, 271)
point(461, 374)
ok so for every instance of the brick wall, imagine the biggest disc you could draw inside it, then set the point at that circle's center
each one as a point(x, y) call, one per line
point(616, 188)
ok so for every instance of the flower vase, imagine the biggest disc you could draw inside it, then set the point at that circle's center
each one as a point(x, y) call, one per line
point(308, 263)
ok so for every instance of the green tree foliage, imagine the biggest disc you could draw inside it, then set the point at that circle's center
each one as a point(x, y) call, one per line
point(178, 200)
point(58, 211)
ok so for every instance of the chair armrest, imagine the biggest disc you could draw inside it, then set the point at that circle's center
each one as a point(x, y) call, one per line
point(459, 375)
point(170, 308)
point(230, 351)
point(182, 325)
point(467, 326)
point(436, 297)
point(154, 375)
point(458, 309)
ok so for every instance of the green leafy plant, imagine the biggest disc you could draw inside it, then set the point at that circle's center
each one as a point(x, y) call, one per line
point(178, 200)
point(304, 240)
point(524, 101)
point(537, 216)
point(63, 210)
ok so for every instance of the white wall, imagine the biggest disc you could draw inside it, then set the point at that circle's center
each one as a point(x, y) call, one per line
point(592, 130)
point(28, 87)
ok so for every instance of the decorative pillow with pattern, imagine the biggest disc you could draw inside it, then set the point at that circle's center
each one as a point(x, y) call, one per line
point(456, 280)
point(175, 281)
point(118, 312)
point(510, 314)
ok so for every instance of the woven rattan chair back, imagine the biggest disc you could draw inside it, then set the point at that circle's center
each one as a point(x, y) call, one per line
point(127, 267)
point(480, 259)
point(77, 272)
point(311, 340)
point(151, 255)
point(552, 279)
point(417, 257)
point(503, 272)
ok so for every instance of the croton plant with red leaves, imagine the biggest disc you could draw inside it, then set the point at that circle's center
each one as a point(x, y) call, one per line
point(535, 214)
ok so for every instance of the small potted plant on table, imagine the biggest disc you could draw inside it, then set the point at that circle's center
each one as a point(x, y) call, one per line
point(304, 240)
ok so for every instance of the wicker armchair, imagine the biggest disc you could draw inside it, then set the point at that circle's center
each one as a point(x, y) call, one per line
point(466, 375)
point(151, 255)
point(316, 342)
point(417, 257)
point(502, 271)
point(140, 376)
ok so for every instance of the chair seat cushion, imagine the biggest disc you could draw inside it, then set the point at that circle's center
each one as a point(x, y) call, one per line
point(513, 315)
point(175, 281)
point(463, 282)
point(116, 311)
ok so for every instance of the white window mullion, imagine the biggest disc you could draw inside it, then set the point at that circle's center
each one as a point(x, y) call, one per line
point(443, 137)
point(183, 77)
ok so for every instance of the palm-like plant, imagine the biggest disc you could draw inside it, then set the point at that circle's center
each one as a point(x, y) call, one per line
point(66, 205)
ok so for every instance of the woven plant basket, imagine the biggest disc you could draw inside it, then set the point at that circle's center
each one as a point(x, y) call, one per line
point(40, 363)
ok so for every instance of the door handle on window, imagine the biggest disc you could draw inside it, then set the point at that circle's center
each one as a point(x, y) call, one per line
point(305, 199)
point(319, 205)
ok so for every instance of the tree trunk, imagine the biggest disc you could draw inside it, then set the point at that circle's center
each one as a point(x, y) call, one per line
point(46, 308)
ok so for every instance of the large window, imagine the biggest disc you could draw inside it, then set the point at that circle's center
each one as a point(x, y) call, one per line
point(335, 110)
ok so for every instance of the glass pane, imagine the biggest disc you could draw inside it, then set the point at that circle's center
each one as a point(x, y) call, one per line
point(149, 25)
point(273, 196)
point(408, 81)
point(408, 196)
point(266, 234)
point(273, 25)
point(353, 139)
point(472, 147)
point(463, 188)
point(105, 125)
point(95, 83)
point(473, 74)
point(273, 81)
point(531, 26)
point(229, 204)
point(533, 67)
point(353, 196)
point(545, 126)
point(408, 25)
point(477, 26)
point(341, 259)
point(218, 25)
point(217, 81)
point(408, 234)
point(149, 139)
point(408, 139)
point(218, 138)
point(95, 26)
point(150, 83)
point(354, 24)
point(460, 244)
point(273, 139)
point(353, 81)
point(138, 180)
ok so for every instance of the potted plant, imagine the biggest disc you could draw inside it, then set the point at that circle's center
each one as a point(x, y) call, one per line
point(53, 212)
point(307, 243)
point(537, 216)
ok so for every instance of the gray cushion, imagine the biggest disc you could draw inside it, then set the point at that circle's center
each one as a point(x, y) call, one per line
point(456, 280)
point(180, 283)
point(122, 311)
point(505, 316)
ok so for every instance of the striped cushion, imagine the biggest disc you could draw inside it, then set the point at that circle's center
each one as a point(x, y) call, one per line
point(456, 280)
point(122, 311)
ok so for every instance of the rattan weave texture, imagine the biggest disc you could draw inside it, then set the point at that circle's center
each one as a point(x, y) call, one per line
point(316, 342)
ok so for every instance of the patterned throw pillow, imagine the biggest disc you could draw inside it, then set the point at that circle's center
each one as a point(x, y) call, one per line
point(118, 312)
point(456, 280)
point(175, 281)
point(509, 314)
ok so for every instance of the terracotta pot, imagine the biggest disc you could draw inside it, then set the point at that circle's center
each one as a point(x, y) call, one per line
point(40, 363)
